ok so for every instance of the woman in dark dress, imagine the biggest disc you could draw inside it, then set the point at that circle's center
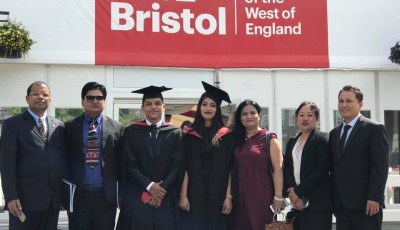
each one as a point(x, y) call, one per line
point(256, 187)
point(205, 198)
point(306, 172)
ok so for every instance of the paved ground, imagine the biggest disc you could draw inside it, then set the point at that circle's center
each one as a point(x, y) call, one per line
point(63, 223)
point(386, 226)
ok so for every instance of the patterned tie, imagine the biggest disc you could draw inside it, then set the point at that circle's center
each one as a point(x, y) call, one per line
point(42, 129)
point(153, 131)
point(342, 140)
point(92, 145)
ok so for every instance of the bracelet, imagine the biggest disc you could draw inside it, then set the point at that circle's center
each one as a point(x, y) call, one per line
point(279, 198)
point(229, 197)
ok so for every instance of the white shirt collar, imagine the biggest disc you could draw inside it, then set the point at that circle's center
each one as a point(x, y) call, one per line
point(36, 117)
point(158, 123)
point(352, 123)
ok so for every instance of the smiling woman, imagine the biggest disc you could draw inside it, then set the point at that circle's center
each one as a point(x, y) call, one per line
point(252, 181)
point(309, 149)
point(206, 198)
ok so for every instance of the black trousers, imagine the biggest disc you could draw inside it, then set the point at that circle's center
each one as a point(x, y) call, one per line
point(146, 217)
point(35, 220)
point(92, 211)
point(312, 220)
point(357, 220)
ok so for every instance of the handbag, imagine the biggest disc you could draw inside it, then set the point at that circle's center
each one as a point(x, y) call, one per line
point(280, 225)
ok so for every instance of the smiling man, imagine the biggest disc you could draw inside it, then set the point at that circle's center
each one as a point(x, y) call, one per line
point(360, 153)
point(151, 158)
point(93, 162)
point(32, 152)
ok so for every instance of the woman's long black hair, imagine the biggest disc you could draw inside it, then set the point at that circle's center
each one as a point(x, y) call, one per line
point(198, 123)
point(239, 130)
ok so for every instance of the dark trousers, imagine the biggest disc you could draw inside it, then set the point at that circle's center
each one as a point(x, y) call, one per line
point(312, 220)
point(35, 220)
point(92, 211)
point(357, 220)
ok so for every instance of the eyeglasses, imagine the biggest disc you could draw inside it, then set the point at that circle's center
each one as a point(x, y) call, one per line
point(92, 98)
point(44, 95)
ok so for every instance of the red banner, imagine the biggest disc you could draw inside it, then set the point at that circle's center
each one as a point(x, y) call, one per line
point(212, 33)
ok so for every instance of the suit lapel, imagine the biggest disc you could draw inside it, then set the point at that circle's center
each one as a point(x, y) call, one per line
point(104, 132)
point(291, 144)
point(50, 126)
point(305, 152)
point(78, 131)
point(337, 138)
point(31, 123)
point(353, 133)
point(147, 137)
point(105, 127)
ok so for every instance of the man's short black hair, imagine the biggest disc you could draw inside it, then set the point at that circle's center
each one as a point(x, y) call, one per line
point(92, 86)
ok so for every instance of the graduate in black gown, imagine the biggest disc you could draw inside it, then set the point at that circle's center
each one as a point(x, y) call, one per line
point(205, 198)
point(151, 160)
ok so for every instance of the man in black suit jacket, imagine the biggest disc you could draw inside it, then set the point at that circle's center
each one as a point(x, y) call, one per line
point(95, 200)
point(32, 149)
point(152, 157)
point(360, 167)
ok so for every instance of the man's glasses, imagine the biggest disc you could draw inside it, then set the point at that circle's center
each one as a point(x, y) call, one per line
point(44, 95)
point(92, 98)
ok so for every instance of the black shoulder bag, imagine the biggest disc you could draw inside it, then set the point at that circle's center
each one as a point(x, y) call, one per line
point(267, 146)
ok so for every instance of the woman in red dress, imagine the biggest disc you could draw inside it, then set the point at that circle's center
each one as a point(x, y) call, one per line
point(257, 189)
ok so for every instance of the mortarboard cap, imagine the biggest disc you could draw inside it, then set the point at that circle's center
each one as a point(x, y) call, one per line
point(152, 92)
point(217, 94)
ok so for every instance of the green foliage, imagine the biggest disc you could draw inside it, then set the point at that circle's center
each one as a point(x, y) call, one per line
point(7, 112)
point(16, 110)
point(395, 53)
point(129, 116)
point(14, 37)
point(67, 114)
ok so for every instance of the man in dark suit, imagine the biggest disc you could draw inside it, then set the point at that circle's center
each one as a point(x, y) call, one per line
point(93, 162)
point(32, 149)
point(360, 153)
point(152, 158)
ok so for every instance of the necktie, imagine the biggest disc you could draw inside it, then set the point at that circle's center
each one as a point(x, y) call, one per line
point(42, 129)
point(342, 140)
point(92, 145)
point(153, 131)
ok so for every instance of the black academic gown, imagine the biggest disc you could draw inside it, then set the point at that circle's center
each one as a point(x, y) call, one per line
point(206, 191)
point(141, 168)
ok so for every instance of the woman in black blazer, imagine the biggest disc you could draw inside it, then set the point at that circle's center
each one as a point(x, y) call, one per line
point(307, 165)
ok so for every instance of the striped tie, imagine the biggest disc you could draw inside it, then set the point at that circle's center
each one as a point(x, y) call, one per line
point(42, 129)
point(92, 146)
